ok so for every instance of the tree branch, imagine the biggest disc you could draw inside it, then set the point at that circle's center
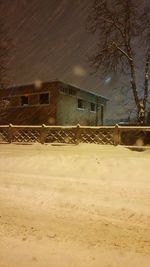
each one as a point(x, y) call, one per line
point(113, 22)
point(146, 74)
point(122, 51)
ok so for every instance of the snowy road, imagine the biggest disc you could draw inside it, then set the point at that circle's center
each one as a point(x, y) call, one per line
point(85, 206)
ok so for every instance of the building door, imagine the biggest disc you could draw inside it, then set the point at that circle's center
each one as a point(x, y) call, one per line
point(102, 115)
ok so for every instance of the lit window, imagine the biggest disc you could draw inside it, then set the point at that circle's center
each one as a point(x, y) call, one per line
point(93, 107)
point(44, 98)
point(24, 100)
point(80, 104)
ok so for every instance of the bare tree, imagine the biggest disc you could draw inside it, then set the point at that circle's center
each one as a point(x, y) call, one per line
point(4, 57)
point(121, 26)
point(5, 45)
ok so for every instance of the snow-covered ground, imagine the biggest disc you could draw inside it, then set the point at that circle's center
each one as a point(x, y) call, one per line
point(76, 206)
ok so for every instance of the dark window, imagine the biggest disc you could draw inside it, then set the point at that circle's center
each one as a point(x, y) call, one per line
point(24, 100)
point(80, 104)
point(44, 98)
point(93, 107)
point(68, 91)
point(63, 90)
point(72, 91)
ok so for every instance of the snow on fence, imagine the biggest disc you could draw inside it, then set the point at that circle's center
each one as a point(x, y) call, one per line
point(111, 135)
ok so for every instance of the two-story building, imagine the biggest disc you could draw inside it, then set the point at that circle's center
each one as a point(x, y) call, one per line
point(51, 103)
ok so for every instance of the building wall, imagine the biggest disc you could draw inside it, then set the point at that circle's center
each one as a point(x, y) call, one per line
point(33, 113)
point(68, 112)
point(61, 110)
point(102, 103)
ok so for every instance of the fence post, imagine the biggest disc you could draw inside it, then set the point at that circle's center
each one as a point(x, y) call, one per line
point(42, 136)
point(78, 132)
point(116, 135)
point(10, 135)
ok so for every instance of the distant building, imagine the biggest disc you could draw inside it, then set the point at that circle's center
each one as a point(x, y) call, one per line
point(51, 103)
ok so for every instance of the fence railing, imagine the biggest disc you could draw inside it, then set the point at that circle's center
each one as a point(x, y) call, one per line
point(111, 135)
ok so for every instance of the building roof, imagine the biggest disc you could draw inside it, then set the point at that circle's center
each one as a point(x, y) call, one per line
point(63, 83)
point(85, 90)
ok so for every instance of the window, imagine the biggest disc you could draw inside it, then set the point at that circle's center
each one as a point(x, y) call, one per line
point(44, 98)
point(67, 91)
point(93, 107)
point(72, 91)
point(80, 104)
point(63, 90)
point(24, 100)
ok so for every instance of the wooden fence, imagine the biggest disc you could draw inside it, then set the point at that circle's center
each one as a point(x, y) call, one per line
point(111, 135)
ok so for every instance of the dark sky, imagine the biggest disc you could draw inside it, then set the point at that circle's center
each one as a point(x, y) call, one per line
point(51, 41)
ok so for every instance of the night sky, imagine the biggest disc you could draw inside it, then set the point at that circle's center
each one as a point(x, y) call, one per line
point(50, 41)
